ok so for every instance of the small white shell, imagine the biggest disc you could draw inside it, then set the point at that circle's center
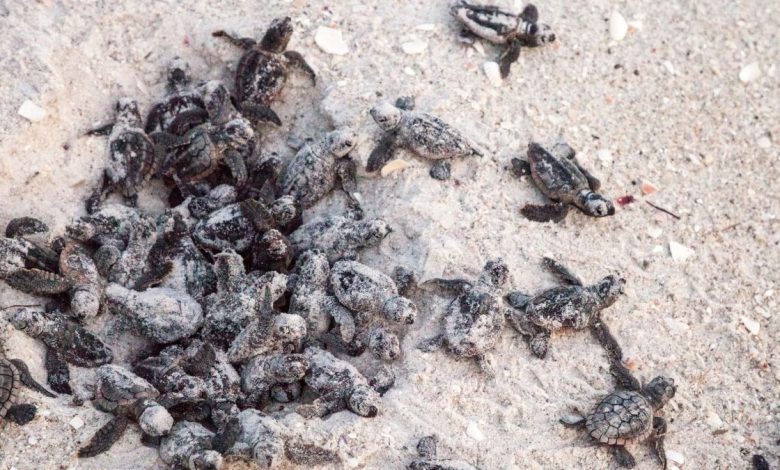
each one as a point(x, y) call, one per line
point(617, 26)
point(393, 166)
point(331, 41)
point(750, 72)
point(31, 111)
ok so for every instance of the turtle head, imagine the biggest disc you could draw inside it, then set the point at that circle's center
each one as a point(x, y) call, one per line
point(85, 303)
point(495, 273)
point(30, 320)
point(609, 289)
point(538, 34)
point(594, 204)
point(363, 401)
point(399, 310)
point(341, 141)
point(386, 116)
point(127, 112)
point(278, 35)
point(238, 133)
point(178, 74)
point(660, 390)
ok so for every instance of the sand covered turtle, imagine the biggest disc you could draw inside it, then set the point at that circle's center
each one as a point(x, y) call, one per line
point(475, 318)
point(339, 237)
point(422, 133)
point(628, 416)
point(112, 224)
point(339, 386)
point(67, 342)
point(29, 266)
point(263, 69)
point(235, 303)
point(86, 292)
point(160, 314)
point(132, 157)
point(182, 106)
point(261, 373)
point(311, 298)
point(429, 459)
point(501, 27)
point(573, 306)
point(13, 374)
point(129, 398)
point(270, 332)
point(560, 177)
point(319, 166)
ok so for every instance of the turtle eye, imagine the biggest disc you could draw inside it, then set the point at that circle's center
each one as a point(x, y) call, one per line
point(533, 29)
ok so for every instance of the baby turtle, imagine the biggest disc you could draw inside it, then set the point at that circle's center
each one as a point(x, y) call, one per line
point(13, 374)
point(424, 134)
point(128, 397)
point(233, 306)
point(503, 28)
point(427, 450)
point(112, 224)
point(66, 342)
point(132, 157)
point(182, 106)
point(319, 166)
point(574, 306)
point(28, 266)
point(263, 372)
point(475, 318)
point(339, 386)
point(626, 416)
point(561, 178)
point(86, 292)
point(339, 237)
point(263, 69)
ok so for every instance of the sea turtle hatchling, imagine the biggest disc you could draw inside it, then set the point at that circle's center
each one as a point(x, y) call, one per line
point(339, 237)
point(181, 99)
point(422, 133)
point(128, 397)
point(503, 28)
point(574, 306)
point(13, 374)
point(66, 342)
point(429, 460)
point(263, 69)
point(26, 265)
point(475, 318)
point(132, 158)
point(560, 177)
point(626, 416)
point(319, 166)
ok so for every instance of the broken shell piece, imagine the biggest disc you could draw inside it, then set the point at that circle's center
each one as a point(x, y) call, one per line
point(679, 252)
point(31, 111)
point(752, 326)
point(393, 167)
point(331, 41)
point(493, 73)
point(414, 47)
point(617, 26)
point(749, 72)
point(648, 188)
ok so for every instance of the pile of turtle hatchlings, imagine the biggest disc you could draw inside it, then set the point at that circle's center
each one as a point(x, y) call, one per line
point(241, 306)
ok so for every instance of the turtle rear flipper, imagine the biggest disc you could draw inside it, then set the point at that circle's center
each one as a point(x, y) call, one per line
point(623, 457)
point(37, 282)
point(297, 61)
point(382, 153)
point(57, 372)
point(105, 437)
point(545, 213)
point(509, 57)
point(561, 272)
point(21, 414)
point(26, 378)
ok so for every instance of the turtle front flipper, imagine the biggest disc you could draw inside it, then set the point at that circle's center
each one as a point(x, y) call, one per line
point(659, 431)
point(21, 414)
point(561, 272)
point(382, 153)
point(103, 130)
point(593, 183)
point(153, 275)
point(22, 226)
point(343, 318)
point(27, 380)
point(623, 376)
point(520, 168)
point(456, 286)
point(99, 194)
point(241, 43)
point(186, 120)
point(57, 372)
point(237, 165)
point(509, 57)
point(623, 457)
point(105, 437)
point(530, 13)
point(346, 170)
point(297, 61)
point(259, 114)
point(323, 406)
point(546, 213)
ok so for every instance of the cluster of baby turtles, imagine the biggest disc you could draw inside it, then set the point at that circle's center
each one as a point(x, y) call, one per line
point(238, 305)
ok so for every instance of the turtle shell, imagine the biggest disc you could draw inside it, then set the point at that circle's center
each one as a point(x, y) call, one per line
point(260, 76)
point(558, 178)
point(621, 417)
point(9, 386)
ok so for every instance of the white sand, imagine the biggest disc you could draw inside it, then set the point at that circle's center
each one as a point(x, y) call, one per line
point(674, 113)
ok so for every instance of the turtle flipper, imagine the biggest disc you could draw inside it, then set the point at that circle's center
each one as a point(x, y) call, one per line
point(441, 170)
point(21, 414)
point(242, 43)
point(623, 376)
point(659, 431)
point(57, 372)
point(540, 343)
point(520, 167)
point(550, 212)
point(98, 195)
point(259, 114)
point(323, 406)
point(37, 281)
point(623, 456)
point(530, 13)
point(237, 165)
point(343, 318)
point(27, 380)
point(346, 169)
point(22, 226)
point(186, 120)
point(382, 153)
point(105, 437)
point(297, 61)
point(561, 272)
point(509, 57)
point(456, 286)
